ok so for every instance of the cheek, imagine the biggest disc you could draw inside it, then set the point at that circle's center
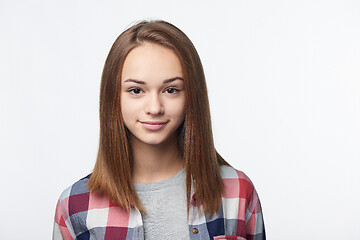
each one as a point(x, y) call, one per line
point(127, 109)
point(178, 110)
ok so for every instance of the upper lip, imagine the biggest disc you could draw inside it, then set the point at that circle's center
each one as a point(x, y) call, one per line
point(154, 122)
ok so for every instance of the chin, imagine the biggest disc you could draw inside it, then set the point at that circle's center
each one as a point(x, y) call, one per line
point(155, 138)
point(150, 140)
point(153, 141)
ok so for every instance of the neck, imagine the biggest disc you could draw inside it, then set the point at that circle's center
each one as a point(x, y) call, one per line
point(154, 163)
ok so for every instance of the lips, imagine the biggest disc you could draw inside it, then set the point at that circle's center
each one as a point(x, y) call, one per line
point(153, 125)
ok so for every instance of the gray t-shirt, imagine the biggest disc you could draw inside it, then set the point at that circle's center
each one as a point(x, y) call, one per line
point(165, 204)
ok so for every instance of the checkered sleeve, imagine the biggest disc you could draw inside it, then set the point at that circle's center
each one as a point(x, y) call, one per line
point(254, 224)
point(81, 214)
point(241, 206)
point(61, 231)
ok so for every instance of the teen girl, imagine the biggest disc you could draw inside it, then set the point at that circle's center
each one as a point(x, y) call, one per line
point(157, 174)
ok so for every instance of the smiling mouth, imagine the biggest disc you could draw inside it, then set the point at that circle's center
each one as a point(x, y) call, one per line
point(153, 125)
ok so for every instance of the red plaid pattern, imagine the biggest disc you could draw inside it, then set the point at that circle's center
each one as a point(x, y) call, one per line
point(83, 215)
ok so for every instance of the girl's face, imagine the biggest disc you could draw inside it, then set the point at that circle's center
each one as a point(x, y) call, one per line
point(152, 94)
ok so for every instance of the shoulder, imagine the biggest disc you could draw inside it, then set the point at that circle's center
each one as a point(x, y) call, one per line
point(74, 199)
point(236, 183)
point(240, 201)
point(228, 172)
point(79, 188)
point(71, 208)
point(80, 211)
point(75, 202)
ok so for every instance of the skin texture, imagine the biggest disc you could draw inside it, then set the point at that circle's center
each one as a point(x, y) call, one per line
point(153, 108)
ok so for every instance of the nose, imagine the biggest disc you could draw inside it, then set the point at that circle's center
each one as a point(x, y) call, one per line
point(154, 105)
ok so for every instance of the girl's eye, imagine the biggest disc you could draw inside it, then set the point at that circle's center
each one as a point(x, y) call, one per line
point(172, 90)
point(135, 91)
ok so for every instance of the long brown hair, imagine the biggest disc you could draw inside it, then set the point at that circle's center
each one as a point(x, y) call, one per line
point(112, 172)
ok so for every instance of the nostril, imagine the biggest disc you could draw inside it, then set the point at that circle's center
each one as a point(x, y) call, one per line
point(154, 106)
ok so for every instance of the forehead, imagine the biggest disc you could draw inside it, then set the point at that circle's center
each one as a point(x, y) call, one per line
point(151, 62)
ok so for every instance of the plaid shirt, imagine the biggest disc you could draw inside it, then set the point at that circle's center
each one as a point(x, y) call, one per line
point(81, 214)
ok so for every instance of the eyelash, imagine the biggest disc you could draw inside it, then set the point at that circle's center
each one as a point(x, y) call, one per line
point(173, 88)
point(131, 90)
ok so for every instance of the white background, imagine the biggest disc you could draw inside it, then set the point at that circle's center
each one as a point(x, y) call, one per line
point(284, 86)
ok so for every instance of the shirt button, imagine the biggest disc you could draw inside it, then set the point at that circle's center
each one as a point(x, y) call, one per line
point(195, 231)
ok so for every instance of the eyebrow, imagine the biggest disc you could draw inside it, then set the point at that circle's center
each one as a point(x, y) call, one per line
point(143, 83)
